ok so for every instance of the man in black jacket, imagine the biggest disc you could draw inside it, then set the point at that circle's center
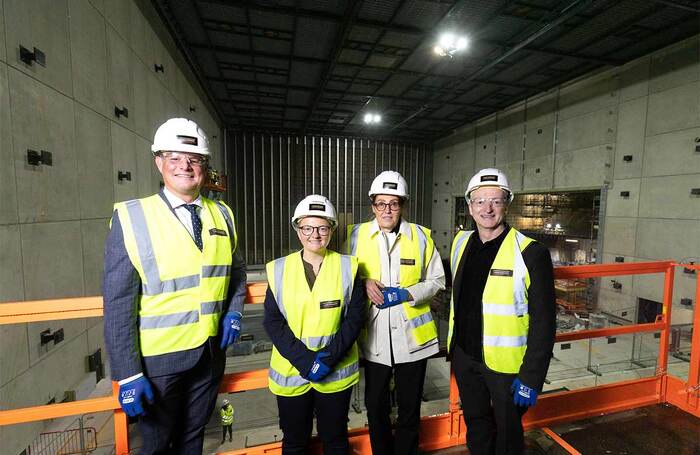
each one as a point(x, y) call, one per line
point(502, 319)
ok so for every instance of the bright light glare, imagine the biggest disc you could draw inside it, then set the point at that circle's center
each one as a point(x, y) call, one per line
point(447, 40)
point(549, 226)
point(449, 44)
point(462, 43)
point(557, 226)
point(372, 118)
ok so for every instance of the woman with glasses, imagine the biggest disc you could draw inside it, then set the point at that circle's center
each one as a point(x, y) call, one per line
point(314, 311)
point(402, 271)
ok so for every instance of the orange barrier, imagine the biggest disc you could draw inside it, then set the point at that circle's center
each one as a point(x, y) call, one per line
point(439, 431)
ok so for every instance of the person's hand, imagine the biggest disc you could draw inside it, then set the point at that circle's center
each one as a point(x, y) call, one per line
point(374, 291)
point(523, 395)
point(231, 324)
point(319, 370)
point(132, 394)
point(393, 296)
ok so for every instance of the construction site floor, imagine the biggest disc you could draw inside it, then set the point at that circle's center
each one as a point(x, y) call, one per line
point(651, 430)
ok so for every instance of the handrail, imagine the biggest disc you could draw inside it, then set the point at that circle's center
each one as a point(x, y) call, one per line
point(43, 310)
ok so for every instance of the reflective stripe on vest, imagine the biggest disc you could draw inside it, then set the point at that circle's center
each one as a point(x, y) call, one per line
point(419, 247)
point(504, 303)
point(182, 289)
point(314, 316)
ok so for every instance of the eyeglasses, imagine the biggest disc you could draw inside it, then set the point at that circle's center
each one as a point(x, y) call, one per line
point(180, 158)
point(309, 230)
point(494, 201)
point(381, 205)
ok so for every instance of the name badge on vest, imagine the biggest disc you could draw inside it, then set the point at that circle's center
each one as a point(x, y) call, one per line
point(408, 261)
point(501, 272)
point(215, 231)
point(329, 304)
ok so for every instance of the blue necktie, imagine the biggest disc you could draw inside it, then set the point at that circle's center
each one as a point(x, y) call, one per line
point(196, 225)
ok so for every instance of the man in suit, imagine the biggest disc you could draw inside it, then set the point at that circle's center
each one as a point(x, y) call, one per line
point(502, 319)
point(174, 287)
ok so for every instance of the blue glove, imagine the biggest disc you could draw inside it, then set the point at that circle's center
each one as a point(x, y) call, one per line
point(523, 395)
point(231, 323)
point(393, 296)
point(319, 370)
point(131, 395)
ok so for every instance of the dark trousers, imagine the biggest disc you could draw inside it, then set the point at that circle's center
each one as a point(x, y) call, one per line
point(494, 422)
point(224, 429)
point(296, 421)
point(408, 386)
point(183, 403)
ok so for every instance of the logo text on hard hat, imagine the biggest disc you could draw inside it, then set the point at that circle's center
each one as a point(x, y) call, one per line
point(489, 178)
point(320, 207)
point(187, 140)
point(390, 185)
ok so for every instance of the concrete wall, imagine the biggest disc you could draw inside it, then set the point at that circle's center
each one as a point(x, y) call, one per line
point(53, 219)
point(577, 137)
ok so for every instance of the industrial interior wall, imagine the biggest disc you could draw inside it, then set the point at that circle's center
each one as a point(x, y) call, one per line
point(270, 173)
point(99, 55)
point(632, 131)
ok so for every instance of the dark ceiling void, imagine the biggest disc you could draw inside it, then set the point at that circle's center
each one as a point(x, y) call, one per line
point(317, 66)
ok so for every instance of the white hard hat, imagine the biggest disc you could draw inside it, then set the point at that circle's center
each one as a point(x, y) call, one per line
point(180, 135)
point(315, 205)
point(489, 177)
point(225, 402)
point(389, 182)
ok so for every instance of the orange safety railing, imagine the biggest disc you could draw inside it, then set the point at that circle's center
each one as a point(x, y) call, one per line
point(438, 431)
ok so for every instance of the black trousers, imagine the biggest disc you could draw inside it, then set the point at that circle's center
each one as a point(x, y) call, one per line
point(224, 429)
point(175, 423)
point(296, 421)
point(408, 386)
point(494, 422)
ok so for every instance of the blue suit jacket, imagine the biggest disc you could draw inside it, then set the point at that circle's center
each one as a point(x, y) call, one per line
point(121, 287)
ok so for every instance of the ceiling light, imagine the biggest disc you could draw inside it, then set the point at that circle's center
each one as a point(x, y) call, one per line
point(449, 44)
point(571, 240)
point(372, 118)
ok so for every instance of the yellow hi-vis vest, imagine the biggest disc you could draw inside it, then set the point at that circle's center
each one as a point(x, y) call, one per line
point(504, 302)
point(182, 289)
point(314, 316)
point(227, 415)
point(415, 253)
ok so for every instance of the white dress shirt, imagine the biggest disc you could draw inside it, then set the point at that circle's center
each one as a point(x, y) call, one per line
point(182, 213)
point(388, 329)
